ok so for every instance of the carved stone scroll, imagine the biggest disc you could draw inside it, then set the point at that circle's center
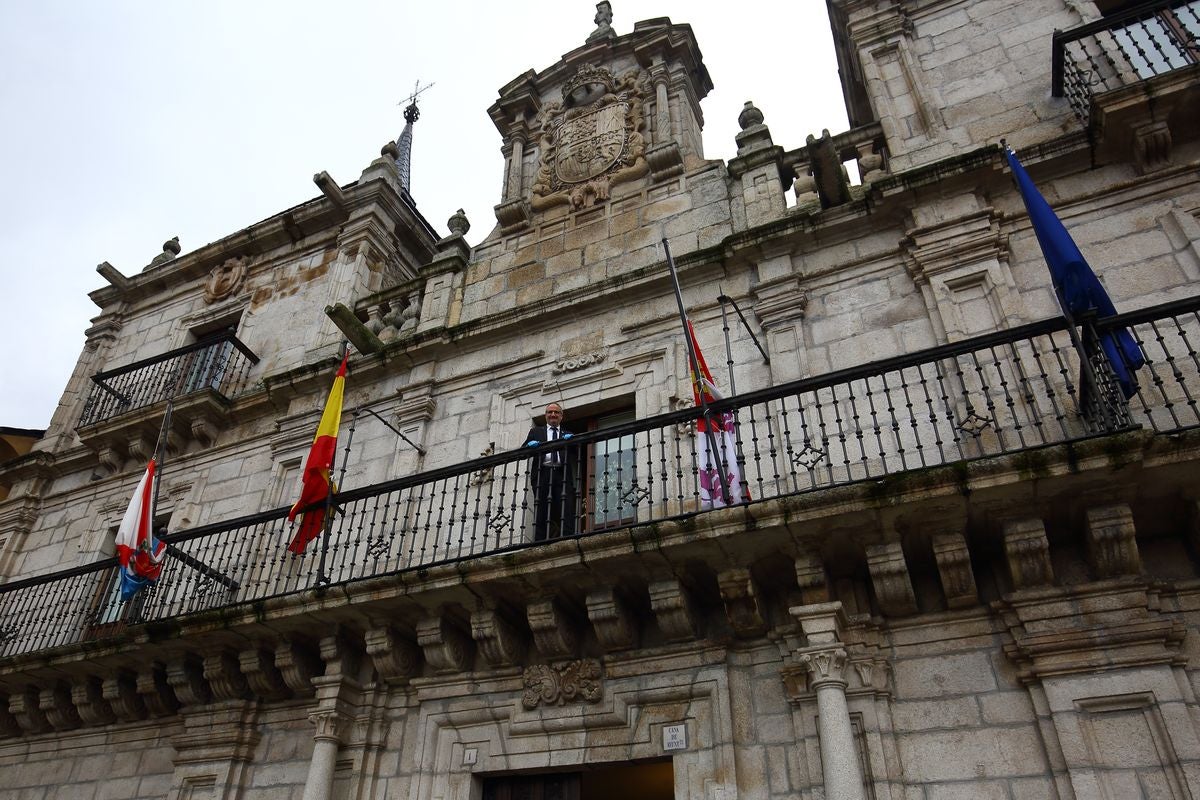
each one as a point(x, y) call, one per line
point(59, 709)
point(89, 700)
point(396, 658)
point(500, 642)
point(1112, 542)
point(156, 691)
point(562, 683)
point(120, 690)
point(297, 665)
point(446, 648)
point(954, 568)
point(262, 676)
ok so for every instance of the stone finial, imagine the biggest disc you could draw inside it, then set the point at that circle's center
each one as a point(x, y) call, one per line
point(458, 224)
point(750, 115)
point(170, 249)
point(390, 150)
point(603, 20)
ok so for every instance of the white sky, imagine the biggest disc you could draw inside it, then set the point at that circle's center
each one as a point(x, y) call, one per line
point(127, 122)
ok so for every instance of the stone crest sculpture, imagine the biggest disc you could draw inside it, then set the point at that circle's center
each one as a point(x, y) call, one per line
point(592, 140)
point(225, 279)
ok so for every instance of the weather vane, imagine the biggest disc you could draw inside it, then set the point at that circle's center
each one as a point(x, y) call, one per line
point(411, 114)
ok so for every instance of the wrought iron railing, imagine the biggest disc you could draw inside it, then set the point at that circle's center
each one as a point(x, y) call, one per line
point(220, 364)
point(1000, 393)
point(1124, 49)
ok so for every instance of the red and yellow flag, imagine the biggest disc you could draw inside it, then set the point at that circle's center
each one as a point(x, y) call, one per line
point(317, 481)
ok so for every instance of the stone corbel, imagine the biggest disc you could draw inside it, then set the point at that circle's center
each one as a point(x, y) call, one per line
point(8, 723)
point(553, 629)
point(954, 568)
point(110, 459)
point(889, 575)
point(810, 575)
point(665, 161)
point(88, 698)
point(156, 691)
point(224, 676)
point(25, 707)
point(120, 691)
point(501, 643)
point(612, 619)
point(140, 446)
point(1112, 542)
point(185, 675)
point(741, 598)
point(58, 707)
point(262, 676)
point(1028, 553)
point(396, 658)
point(513, 215)
point(675, 611)
point(297, 665)
point(446, 648)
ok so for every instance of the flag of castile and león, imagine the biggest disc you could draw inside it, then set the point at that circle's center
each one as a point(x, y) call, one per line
point(317, 479)
point(723, 428)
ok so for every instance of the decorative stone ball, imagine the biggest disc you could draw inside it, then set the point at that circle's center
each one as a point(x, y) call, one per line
point(750, 116)
point(459, 223)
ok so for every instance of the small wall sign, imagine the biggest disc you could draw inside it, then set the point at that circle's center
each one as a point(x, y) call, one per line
point(675, 737)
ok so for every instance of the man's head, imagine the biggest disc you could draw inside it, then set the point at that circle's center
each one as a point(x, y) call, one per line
point(554, 414)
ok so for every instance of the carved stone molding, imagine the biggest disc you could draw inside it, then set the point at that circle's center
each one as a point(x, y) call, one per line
point(1028, 553)
point(186, 678)
point(500, 642)
point(742, 606)
point(262, 676)
point(120, 690)
point(889, 575)
point(397, 658)
point(665, 161)
point(612, 619)
point(1112, 542)
point(297, 665)
point(88, 697)
point(446, 648)
point(512, 215)
point(954, 568)
point(675, 611)
point(563, 683)
point(59, 709)
point(780, 303)
point(1125, 628)
point(156, 691)
point(553, 629)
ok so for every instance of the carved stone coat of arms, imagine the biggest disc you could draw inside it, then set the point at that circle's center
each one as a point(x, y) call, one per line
point(592, 140)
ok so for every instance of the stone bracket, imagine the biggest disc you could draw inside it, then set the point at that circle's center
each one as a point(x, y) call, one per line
point(889, 574)
point(742, 606)
point(554, 631)
point(675, 610)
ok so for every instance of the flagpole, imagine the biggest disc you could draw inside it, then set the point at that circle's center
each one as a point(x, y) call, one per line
point(324, 580)
point(1085, 363)
point(728, 347)
point(695, 367)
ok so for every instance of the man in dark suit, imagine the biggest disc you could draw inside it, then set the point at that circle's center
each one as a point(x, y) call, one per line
point(552, 477)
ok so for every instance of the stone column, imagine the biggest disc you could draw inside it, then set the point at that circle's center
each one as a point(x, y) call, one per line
point(516, 162)
point(824, 659)
point(319, 784)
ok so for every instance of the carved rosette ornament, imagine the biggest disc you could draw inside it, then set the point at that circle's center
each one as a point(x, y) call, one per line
point(225, 279)
point(592, 140)
point(562, 683)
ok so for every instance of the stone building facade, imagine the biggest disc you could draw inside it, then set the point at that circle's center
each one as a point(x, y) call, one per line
point(966, 566)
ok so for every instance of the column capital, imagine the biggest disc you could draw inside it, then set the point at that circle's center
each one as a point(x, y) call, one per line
point(825, 667)
point(331, 725)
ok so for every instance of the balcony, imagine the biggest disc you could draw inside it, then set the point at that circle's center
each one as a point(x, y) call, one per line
point(124, 407)
point(1009, 402)
point(1133, 78)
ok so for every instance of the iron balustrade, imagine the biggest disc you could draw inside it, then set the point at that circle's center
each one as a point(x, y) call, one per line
point(1123, 50)
point(1000, 393)
point(220, 363)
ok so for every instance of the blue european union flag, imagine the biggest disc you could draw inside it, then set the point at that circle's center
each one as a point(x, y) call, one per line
point(1079, 290)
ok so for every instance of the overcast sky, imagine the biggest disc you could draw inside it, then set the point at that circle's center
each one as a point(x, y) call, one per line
point(127, 122)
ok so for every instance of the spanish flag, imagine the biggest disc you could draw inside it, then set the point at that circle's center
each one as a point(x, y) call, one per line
point(317, 481)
